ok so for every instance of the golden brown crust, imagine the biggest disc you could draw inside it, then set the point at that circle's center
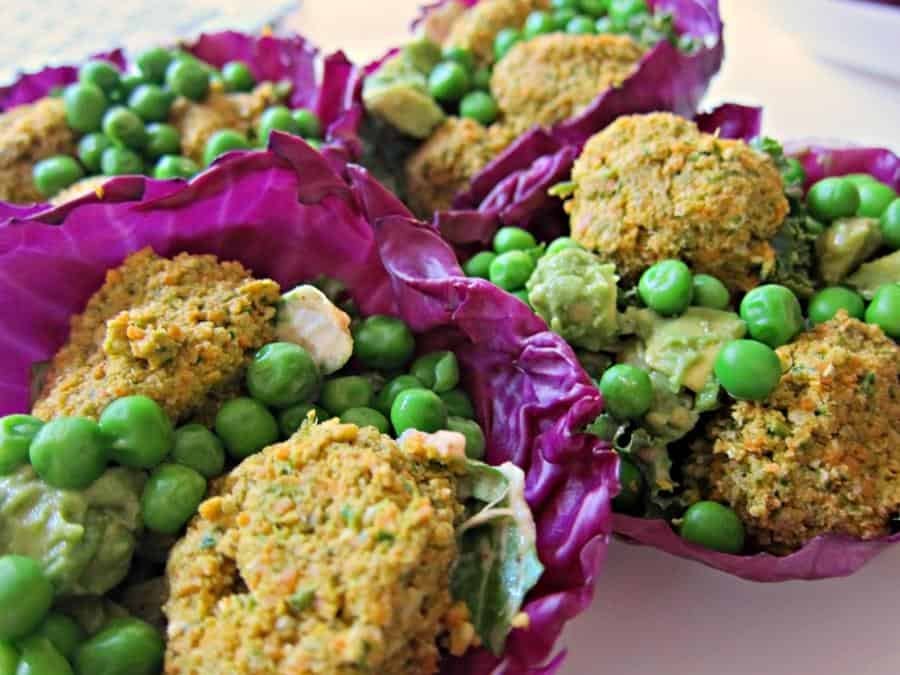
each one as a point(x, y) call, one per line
point(28, 134)
point(329, 553)
point(652, 187)
point(476, 29)
point(822, 453)
point(174, 330)
point(551, 78)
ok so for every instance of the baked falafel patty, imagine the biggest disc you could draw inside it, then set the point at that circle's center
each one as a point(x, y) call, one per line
point(328, 553)
point(822, 453)
point(653, 187)
point(179, 331)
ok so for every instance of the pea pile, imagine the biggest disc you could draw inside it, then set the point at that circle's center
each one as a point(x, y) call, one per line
point(123, 119)
point(37, 640)
point(461, 88)
point(746, 368)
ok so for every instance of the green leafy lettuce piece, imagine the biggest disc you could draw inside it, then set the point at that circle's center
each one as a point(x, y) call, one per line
point(498, 562)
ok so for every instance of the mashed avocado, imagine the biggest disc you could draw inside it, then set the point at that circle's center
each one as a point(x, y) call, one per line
point(575, 293)
point(83, 539)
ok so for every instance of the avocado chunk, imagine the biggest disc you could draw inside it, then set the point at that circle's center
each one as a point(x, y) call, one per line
point(575, 293)
point(845, 245)
point(685, 348)
point(398, 93)
point(422, 54)
point(873, 275)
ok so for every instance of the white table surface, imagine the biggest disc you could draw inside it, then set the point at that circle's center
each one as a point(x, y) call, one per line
point(654, 613)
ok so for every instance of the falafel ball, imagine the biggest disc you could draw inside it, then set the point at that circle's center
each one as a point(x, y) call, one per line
point(443, 165)
point(28, 134)
point(329, 553)
point(550, 78)
point(652, 187)
point(822, 453)
point(477, 27)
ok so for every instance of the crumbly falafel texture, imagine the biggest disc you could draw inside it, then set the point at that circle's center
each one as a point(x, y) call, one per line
point(822, 453)
point(329, 553)
point(653, 187)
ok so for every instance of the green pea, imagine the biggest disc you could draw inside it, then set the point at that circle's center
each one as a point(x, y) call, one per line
point(9, 658)
point(138, 431)
point(593, 8)
point(188, 78)
point(505, 40)
point(124, 127)
point(308, 123)
point(245, 426)
point(874, 198)
point(125, 646)
point(130, 82)
point(25, 596)
point(283, 374)
point(794, 173)
point(604, 26)
point(438, 371)
point(448, 82)
point(859, 178)
point(101, 74)
point(69, 453)
point(460, 55)
point(562, 17)
point(175, 166)
point(481, 79)
point(627, 391)
point(55, 174)
point(40, 657)
point(196, 447)
point(276, 118)
point(538, 23)
point(773, 314)
point(342, 393)
point(631, 487)
point(64, 633)
point(884, 310)
point(713, 526)
point(564, 4)
point(473, 433)
point(116, 161)
point(171, 497)
point(479, 106)
point(162, 139)
point(513, 239)
point(150, 102)
point(383, 342)
point(85, 105)
point(420, 409)
point(16, 434)
point(291, 419)
point(667, 287)
point(458, 403)
point(826, 303)
point(581, 25)
point(890, 225)
point(479, 265)
point(224, 141)
point(153, 64)
point(90, 150)
point(366, 417)
point(748, 370)
point(561, 244)
point(621, 11)
point(511, 270)
point(388, 393)
point(237, 76)
point(710, 292)
point(833, 198)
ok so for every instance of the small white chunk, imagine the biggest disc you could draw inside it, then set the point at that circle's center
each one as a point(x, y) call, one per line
point(449, 445)
point(308, 318)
